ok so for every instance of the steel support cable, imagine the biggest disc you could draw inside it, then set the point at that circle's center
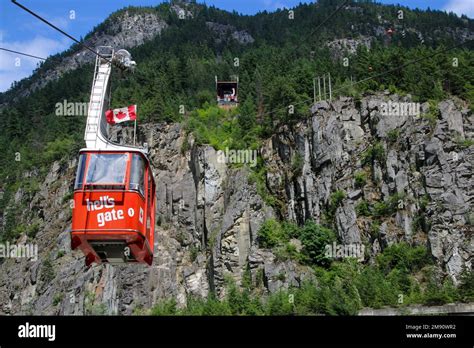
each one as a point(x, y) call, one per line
point(60, 30)
point(23, 54)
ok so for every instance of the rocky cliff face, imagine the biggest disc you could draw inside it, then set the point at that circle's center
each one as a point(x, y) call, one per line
point(208, 213)
point(126, 31)
point(224, 31)
point(425, 167)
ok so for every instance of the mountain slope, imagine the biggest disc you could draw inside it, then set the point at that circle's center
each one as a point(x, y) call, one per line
point(362, 177)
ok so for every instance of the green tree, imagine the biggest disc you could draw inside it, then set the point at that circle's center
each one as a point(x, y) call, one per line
point(315, 238)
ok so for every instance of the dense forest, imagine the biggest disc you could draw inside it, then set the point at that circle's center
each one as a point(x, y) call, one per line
point(176, 69)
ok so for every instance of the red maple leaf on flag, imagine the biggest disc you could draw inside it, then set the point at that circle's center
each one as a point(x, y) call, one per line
point(121, 115)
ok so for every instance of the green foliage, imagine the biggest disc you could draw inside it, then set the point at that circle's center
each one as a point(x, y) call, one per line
point(393, 135)
point(348, 89)
point(284, 249)
point(396, 201)
point(12, 233)
point(404, 257)
point(33, 229)
point(286, 252)
point(375, 289)
point(388, 282)
point(439, 291)
point(470, 218)
point(337, 197)
point(424, 201)
point(469, 94)
point(335, 200)
point(67, 197)
point(362, 208)
point(374, 229)
point(432, 115)
point(338, 289)
point(167, 307)
point(13, 230)
point(90, 305)
point(314, 239)
point(420, 222)
point(247, 279)
point(464, 143)
point(342, 289)
point(258, 176)
point(236, 302)
point(360, 179)
point(291, 230)
point(193, 252)
point(57, 299)
point(47, 271)
point(270, 234)
point(394, 90)
point(376, 152)
point(247, 118)
point(211, 306)
point(57, 149)
point(466, 288)
point(213, 126)
point(381, 209)
point(391, 281)
point(30, 186)
point(185, 146)
point(297, 163)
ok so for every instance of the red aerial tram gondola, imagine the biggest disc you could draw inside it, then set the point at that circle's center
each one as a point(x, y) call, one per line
point(114, 193)
point(114, 207)
point(227, 93)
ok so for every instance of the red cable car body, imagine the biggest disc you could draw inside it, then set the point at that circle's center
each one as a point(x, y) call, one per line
point(227, 93)
point(114, 207)
point(113, 217)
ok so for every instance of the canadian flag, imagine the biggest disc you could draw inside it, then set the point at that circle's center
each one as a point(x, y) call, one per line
point(121, 115)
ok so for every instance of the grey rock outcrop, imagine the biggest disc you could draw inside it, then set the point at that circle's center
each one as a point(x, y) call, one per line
point(348, 46)
point(224, 32)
